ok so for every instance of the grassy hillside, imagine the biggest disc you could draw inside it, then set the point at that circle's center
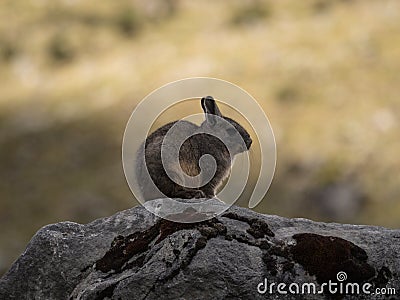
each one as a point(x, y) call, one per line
point(326, 73)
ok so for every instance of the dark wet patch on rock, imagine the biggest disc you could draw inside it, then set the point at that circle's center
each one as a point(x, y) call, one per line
point(325, 256)
point(124, 248)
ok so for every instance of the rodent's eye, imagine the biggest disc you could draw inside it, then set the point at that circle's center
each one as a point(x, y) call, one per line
point(231, 131)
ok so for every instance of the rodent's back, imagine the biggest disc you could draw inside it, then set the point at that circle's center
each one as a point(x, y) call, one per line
point(188, 158)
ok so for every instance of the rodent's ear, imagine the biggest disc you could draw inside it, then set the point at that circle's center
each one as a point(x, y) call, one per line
point(211, 109)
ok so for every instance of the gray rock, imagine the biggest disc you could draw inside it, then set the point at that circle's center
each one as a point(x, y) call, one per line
point(135, 255)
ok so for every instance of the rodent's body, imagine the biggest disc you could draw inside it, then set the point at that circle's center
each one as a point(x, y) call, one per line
point(192, 149)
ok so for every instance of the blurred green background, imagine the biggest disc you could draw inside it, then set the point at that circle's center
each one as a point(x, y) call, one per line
point(327, 73)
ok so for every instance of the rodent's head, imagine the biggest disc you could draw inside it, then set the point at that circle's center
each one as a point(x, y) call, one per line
point(234, 135)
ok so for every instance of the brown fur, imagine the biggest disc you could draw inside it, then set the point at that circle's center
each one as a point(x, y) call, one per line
point(189, 154)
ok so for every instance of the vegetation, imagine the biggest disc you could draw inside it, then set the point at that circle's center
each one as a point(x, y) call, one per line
point(325, 72)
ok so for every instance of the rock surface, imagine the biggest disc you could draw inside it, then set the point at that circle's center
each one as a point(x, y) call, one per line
point(135, 255)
